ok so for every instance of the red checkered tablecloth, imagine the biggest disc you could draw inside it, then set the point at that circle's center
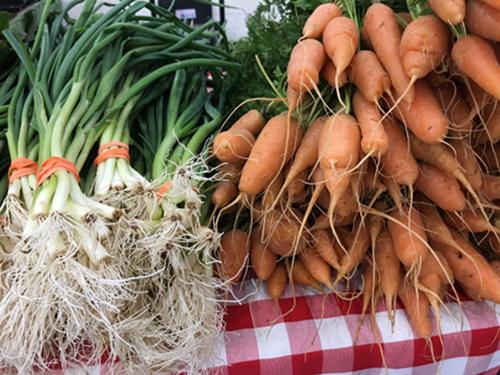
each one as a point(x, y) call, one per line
point(315, 334)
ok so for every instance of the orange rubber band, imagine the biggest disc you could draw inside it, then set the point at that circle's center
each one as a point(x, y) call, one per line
point(110, 150)
point(21, 167)
point(163, 189)
point(54, 164)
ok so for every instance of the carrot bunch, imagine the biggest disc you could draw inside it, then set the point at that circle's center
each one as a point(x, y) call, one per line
point(396, 179)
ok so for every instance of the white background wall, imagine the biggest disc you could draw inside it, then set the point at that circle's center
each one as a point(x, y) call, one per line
point(235, 18)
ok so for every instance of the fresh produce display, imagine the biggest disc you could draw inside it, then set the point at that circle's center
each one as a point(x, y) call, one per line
point(375, 165)
point(106, 248)
point(352, 147)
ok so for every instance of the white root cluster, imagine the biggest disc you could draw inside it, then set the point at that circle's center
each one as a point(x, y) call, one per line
point(140, 289)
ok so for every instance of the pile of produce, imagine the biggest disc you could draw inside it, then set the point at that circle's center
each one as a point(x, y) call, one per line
point(105, 244)
point(384, 161)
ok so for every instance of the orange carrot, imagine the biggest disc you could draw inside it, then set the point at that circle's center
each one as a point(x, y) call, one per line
point(271, 194)
point(319, 18)
point(394, 191)
point(490, 156)
point(450, 11)
point(435, 276)
point(476, 97)
point(235, 246)
point(469, 220)
point(440, 187)
point(408, 236)
point(297, 185)
point(425, 117)
point(263, 260)
point(329, 73)
point(272, 150)
point(491, 187)
point(468, 161)
point(280, 232)
point(307, 151)
point(233, 146)
point(338, 149)
point(374, 140)
point(293, 98)
point(370, 288)
point(456, 108)
point(493, 3)
point(253, 121)
point(417, 308)
point(424, 44)
point(382, 29)
point(300, 275)
point(276, 284)
point(475, 57)
point(317, 267)
point(229, 172)
point(491, 131)
point(495, 264)
point(483, 20)
point(341, 39)
point(305, 64)
point(389, 271)
point(359, 242)
point(398, 162)
point(224, 193)
point(369, 76)
point(326, 247)
point(434, 224)
point(475, 274)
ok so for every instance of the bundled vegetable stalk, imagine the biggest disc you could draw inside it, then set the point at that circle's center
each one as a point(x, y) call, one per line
point(398, 176)
point(109, 248)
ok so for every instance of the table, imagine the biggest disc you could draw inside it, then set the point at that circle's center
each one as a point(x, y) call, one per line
point(309, 333)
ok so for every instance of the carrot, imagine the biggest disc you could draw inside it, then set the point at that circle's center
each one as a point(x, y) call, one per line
point(440, 187)
point(489, 156)
point(408, 236)
point(280, 232)
point(472, 271)
point(224, 193)
point(276, 284)
point(305, 64)
point(491, 131)
point(347, 203)
point(434, 224)
point(370, 288)
point(272, 150)
point(469, 220)
point(317, 267)
point(359, 242)
point(374, 140)
point(389, 271)
point(341, 39)
point(483, 20)
point(491, 187)
point(424, 44)
point(319, 18)
point(375, 223)
point(456, 109)
point(439, 156)
point(369, 76)
point(253, 121)
point(326, 247)
point(450, 11)
point(307, 151)
point(293, 98)
point(329, 72)
point(417, 308)
point(235, 246)
point(424, 117)
point(382, 29)
point(476, 97)
point(338, 150)
point(398, 162)
point(475, 58)
point(233, 146)
point(435, 276)
point(371, 180)
point(467, 159)
point(263, 260)
point(494, 242)
point(297, 185)
point(300, 275)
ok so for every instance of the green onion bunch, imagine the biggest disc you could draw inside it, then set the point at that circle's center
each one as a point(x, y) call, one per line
point(108, 248)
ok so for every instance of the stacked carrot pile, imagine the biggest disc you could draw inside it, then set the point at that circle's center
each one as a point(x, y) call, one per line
point(386, 160)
